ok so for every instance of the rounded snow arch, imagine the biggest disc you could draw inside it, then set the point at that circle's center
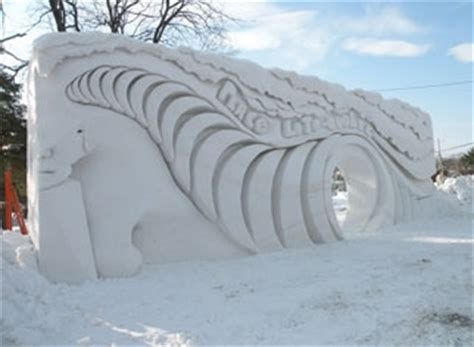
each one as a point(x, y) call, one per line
point(371, 198)
point(240, 158)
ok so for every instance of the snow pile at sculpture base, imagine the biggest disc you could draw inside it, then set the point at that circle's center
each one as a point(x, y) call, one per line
point(461, 187)
point(405, 285)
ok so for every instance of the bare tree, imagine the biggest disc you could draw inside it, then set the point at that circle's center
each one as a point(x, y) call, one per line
point(59, 13)
point(65, 14)
point(15, 64)
point(196, 23)
point(183, 19)
point(118, 14)
point(171, 22)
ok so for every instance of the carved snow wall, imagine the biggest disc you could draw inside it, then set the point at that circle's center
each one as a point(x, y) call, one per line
point(139, 153)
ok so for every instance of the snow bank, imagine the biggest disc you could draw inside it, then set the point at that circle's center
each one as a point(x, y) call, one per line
point(461, 187)
point(406, 285)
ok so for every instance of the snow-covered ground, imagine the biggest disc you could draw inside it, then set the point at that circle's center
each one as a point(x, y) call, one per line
point(405, 285)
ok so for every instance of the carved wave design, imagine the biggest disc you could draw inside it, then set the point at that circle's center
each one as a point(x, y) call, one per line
point(261, 196)
point(401, 130)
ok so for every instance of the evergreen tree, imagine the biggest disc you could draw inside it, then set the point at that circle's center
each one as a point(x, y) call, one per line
point(12, 133)
point(467, 161)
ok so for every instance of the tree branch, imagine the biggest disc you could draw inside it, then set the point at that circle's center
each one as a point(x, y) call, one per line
point(12, 37)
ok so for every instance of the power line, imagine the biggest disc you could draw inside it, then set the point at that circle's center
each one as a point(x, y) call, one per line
point(456, 147)
point(448, 84)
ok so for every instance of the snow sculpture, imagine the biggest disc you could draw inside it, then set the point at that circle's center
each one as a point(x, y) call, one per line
point(197, 156)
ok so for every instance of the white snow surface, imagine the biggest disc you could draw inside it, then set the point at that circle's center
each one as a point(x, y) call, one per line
point(462, 187)
point(340, 205)
point(405, 285)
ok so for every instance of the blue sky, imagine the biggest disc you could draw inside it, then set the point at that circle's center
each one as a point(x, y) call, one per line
point(359, 45)
point(373, 46)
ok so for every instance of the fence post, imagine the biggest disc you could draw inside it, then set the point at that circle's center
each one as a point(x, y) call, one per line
point(18, 212)
point(8, 199)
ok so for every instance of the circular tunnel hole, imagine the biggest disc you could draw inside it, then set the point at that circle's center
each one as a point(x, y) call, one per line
point(356, 191)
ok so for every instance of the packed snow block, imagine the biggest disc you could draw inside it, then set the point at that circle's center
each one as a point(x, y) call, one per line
point(65, 250)
point(183, 155)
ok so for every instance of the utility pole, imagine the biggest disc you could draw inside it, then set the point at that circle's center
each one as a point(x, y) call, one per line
point(440, 158)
